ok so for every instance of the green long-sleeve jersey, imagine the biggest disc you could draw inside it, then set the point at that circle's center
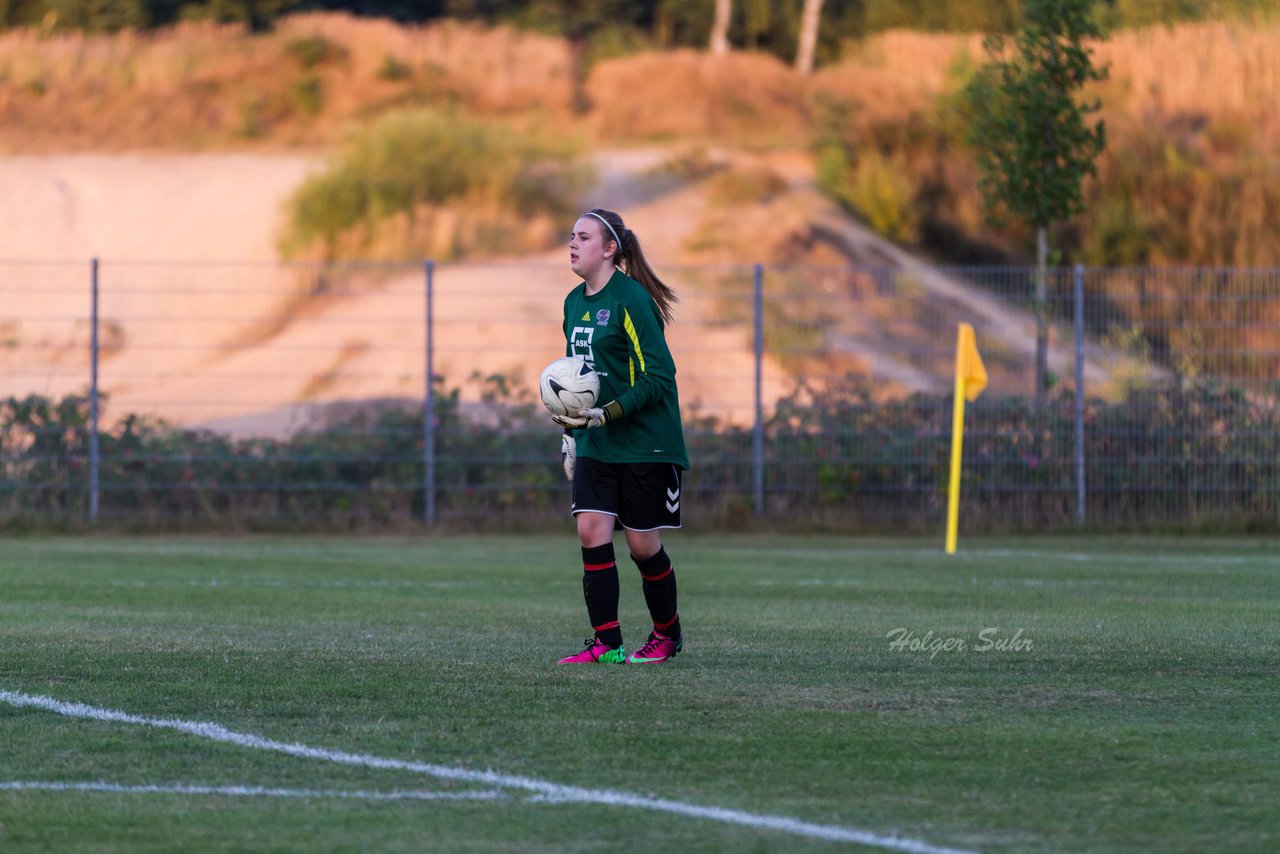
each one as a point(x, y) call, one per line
point(620, 332)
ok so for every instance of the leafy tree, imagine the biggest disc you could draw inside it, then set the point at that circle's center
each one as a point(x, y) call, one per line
point(404, 11)
point(772, 25)
point(258, 14)
point(11, 12)
point(93, 15)
point(957, 15)
point(1031, 133)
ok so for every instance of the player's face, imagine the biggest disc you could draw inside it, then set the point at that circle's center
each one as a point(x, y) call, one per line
point(589, 251)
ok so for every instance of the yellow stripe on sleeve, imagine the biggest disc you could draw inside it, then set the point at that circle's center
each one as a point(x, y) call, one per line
point(635, 344)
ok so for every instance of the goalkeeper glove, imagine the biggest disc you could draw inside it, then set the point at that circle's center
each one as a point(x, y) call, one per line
point(568, 454)
point(590, 417)
point(599, 417)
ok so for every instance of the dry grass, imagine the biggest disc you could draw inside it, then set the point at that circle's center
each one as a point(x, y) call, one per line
point(746, 98)
point(1210, 70)
point(204, 86)
point(499, 70)
point(894, 73)
point(1213, 70)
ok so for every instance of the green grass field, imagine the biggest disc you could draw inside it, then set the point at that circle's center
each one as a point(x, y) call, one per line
point(1129, 698)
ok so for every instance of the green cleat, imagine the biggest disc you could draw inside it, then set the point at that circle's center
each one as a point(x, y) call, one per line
point(597, 653)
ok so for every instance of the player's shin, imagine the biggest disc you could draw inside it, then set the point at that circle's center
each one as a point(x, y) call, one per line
point(659, 581)
point(600, 589)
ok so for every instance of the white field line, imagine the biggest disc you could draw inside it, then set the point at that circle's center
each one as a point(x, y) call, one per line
point(251, 791)
point(546, 792)
point(265, 583)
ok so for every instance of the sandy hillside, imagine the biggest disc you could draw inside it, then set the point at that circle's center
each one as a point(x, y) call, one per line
point(145, 207)
point(201, 327)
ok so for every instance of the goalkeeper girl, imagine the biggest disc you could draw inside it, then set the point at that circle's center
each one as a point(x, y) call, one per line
point(625, 457)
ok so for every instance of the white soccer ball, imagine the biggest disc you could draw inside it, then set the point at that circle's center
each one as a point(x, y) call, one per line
point(568, 386)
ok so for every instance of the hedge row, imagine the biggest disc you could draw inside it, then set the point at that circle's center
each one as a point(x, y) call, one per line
point(834, 457)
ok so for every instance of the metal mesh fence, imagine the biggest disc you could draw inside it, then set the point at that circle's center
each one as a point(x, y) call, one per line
point(264, 394)
point(1196, 364)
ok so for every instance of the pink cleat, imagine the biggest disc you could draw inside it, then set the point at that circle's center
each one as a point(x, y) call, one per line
point(597, 652)
point(656, 649)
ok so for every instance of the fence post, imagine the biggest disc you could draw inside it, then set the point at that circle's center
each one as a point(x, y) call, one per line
point(757, 443)
point(429, 406)
point(94, 448)
point(1079, 324)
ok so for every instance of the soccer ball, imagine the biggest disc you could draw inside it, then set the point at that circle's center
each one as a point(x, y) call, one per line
point(568, 386)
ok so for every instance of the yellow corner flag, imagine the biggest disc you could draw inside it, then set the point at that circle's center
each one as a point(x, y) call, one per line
point(971, 379)
point(969, 368)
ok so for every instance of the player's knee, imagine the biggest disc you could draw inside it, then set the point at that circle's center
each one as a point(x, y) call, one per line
point(644, 544)
point(594, 529)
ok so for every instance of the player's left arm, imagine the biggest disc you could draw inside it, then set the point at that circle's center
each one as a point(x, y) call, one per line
point(651, 370)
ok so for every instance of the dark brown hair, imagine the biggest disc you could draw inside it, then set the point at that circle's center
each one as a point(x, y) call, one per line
point(630, 258)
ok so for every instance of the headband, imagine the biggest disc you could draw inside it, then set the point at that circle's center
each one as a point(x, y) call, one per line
point(606, 225)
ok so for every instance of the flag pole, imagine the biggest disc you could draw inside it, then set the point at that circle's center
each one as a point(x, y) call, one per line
point(971, 379)
point(957, 443)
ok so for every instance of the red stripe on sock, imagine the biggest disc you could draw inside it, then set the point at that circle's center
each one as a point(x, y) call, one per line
point(668, 624)
point(593, 567)
point(612, 625)
point(659, 576)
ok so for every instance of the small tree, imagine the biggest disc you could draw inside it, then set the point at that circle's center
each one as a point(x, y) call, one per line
point(1031, 133)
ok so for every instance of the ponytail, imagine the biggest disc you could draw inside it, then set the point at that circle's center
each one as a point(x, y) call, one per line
point(631, 260)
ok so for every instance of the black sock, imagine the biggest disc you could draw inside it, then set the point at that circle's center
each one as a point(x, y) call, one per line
point(660, 592)
point(600, 589)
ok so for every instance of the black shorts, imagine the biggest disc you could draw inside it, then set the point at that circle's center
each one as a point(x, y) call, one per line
point(641, 496)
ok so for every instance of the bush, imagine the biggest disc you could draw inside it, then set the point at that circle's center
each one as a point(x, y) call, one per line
point(307, 96)
point(312, 51)
point(410, 165)
point(1178, 455)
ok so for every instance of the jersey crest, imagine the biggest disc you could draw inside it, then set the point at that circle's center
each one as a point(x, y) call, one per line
point(602, 317)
